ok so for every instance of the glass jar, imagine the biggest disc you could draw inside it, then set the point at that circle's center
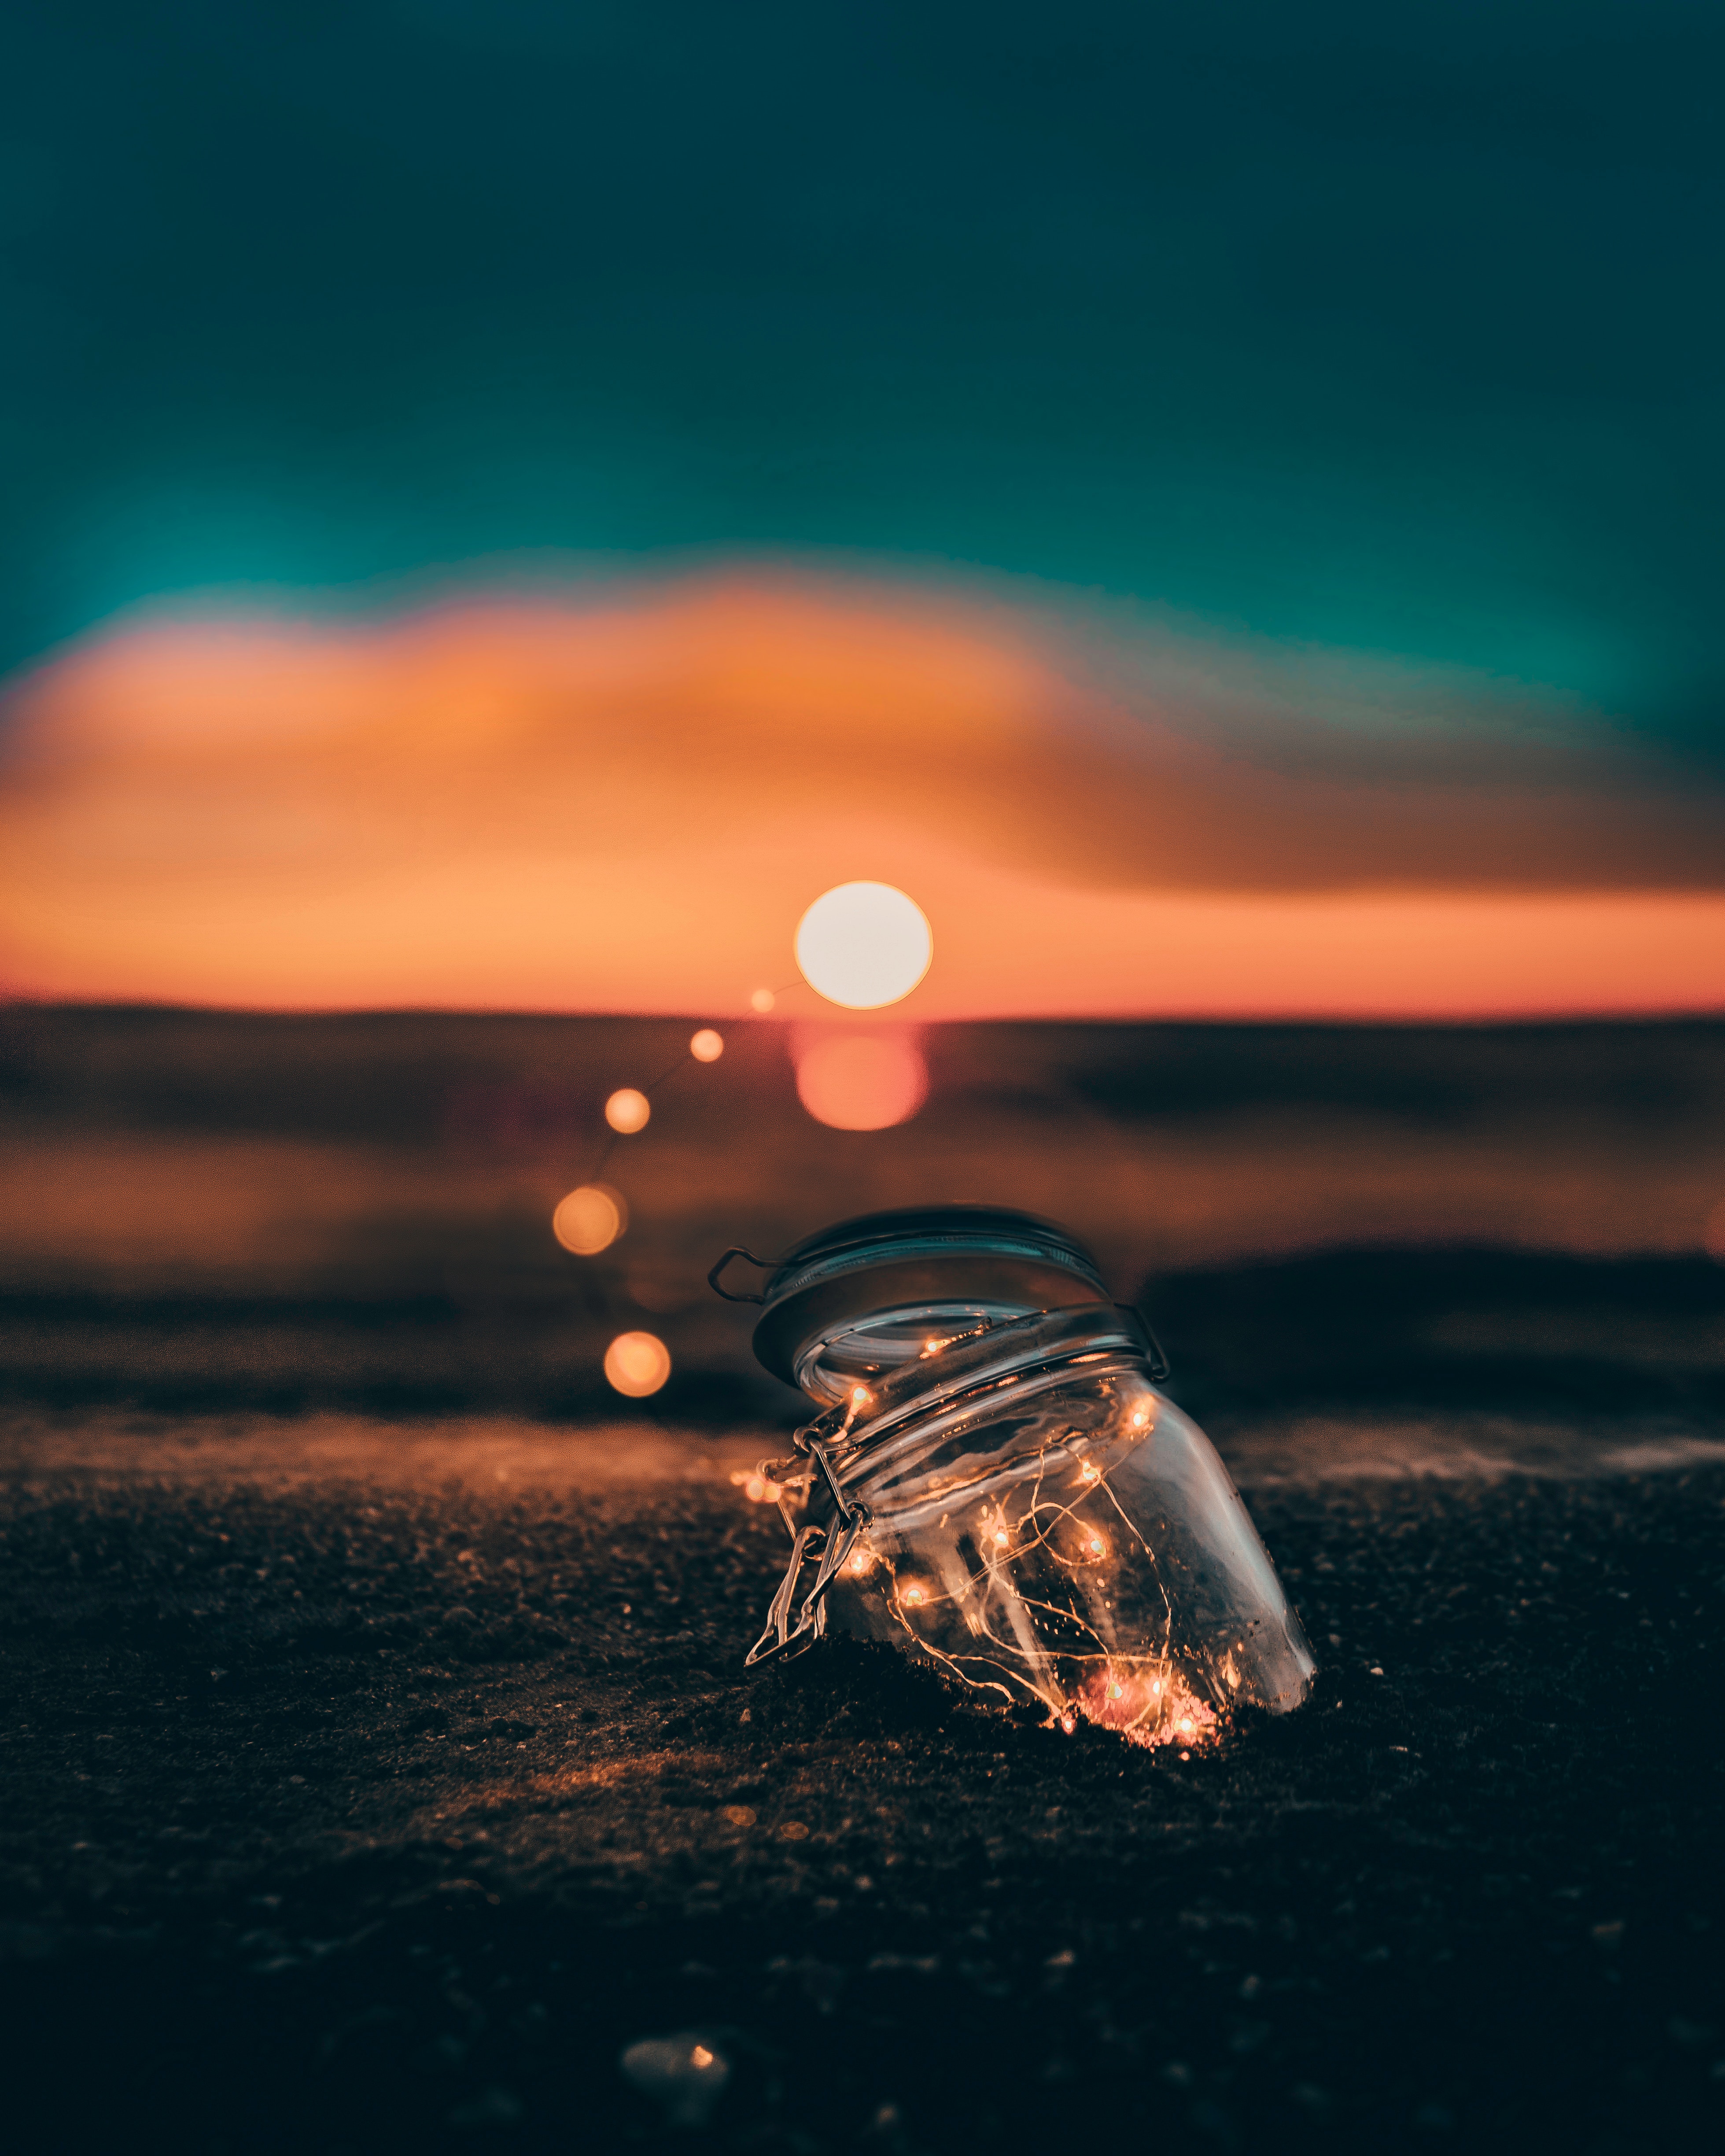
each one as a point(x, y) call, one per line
point(997, 1485)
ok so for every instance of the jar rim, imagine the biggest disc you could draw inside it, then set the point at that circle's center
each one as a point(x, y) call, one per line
point(909, 1255)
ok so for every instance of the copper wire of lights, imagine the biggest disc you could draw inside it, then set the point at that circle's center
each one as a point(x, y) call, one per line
point(1143, 1698)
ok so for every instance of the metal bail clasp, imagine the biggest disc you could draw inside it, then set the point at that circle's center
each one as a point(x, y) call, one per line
point(782, 1639)
point(736, 1251)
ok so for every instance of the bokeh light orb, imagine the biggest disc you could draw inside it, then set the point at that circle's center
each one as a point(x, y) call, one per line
point(637, 1364)
point(627, 1110)
point(864, 945)
point(862, 1081)
point(707, 1046)
point(763, 1001)
point(590, 1219)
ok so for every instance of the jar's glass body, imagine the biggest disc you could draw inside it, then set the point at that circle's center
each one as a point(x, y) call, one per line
point(1044, 1523)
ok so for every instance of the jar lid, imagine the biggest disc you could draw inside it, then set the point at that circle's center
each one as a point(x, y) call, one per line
point(991, 1258)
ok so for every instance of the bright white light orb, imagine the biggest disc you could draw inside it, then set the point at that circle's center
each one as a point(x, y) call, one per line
point(863, 945)
point(637, 1363)
point(590, 1219)
point(627, 1110)
point(707, 1046)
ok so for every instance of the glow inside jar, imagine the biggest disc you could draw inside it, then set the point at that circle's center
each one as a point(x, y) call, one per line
point(997, 1485)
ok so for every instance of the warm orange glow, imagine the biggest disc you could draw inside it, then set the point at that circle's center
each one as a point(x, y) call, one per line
point(707, 1046)
point(637, 1363)
point(1148, 1710)
point(533, 805)
point(861, 1081)
point(590, 1219)
point(762, 1000)
point(864, 945)
point(627, 1110)
point(759, 1489)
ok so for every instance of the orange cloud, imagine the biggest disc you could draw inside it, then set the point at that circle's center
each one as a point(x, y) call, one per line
point(626, 805)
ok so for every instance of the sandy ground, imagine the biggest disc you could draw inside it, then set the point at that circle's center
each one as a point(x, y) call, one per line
point(380, 1771)
point(378, 1786)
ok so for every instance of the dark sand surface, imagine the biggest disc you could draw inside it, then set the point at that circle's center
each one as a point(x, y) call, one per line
point(377, 1787)
point(380, 1767)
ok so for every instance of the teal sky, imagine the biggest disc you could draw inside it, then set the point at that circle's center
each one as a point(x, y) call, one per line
point(1394, 329)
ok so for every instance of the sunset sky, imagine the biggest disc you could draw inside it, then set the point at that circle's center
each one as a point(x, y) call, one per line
point(508, 502)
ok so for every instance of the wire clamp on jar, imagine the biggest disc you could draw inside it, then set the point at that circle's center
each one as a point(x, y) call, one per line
point(832, 1543)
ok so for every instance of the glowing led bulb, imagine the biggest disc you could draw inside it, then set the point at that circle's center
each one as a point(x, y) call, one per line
point(762, 1000)
point(707, 1046)
point(589, 1219)
point(636, 1364)
point(627, 1110)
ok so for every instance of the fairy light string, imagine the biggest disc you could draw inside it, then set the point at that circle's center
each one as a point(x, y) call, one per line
point(860, 945)
point(1036, 1572)
point(1146, 1697)
point(590, 1218)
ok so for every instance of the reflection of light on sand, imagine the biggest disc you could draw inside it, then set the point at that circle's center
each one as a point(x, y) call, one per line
point(637, 1363)
point(590, 1219)
point(861, 1081)
point(627, 1110)
point(864, 945)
